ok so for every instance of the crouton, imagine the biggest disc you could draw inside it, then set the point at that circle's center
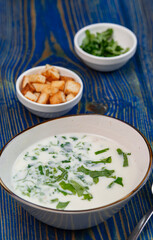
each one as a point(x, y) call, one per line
point(65, 78)
point(57, 98)
point(29, 95)
point(48, 82)
point(72, 87)
point(25, 81)
point(36, 94)
point(37, 78)
point(51, 73)
point(28, 87)
point(43, 98)
point(69, 97)
point(49, 89)
point(39, 86)
point(58, 84)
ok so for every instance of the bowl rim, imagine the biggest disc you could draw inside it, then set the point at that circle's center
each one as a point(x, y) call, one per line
point(121, 200)
point(93, 57)
point(45, 106)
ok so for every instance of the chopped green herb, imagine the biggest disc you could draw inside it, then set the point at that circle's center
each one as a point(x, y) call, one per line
point(66, 161)
point(47, 172)
point(74, 138)
point(68, 167)
point(63, 192)
point(118, 180)
point(101, 151)
point(29, 190)
point(54, 200)
point(62, 176)
point(62, 205)
point(26, 194)
point(33, 158)
point(66, 146)
point(102, 44)
point(87, 196)
point(41, 170)
point(95, 180)
point(105, 160)
point(29, 165)
point(95, 174)
point(63, 137)
point(78, 188)
point(67, 186)
point(125, 158)
point(44, 149)
point(37, 153)
point(27, 154)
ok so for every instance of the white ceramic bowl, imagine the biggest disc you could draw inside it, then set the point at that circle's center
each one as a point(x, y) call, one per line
point(105, 126)
point(48, 110)
point(122, 35)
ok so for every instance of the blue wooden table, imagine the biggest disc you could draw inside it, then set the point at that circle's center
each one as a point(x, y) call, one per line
point(34, 33)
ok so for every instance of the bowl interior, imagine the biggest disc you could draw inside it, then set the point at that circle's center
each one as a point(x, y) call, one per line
point(105, 126)
point(122, 35)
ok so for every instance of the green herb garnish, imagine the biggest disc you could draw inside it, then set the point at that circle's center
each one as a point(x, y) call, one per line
point(66, 161)
point(54, 200)
point(62, 205)
point(101, 151)
point(44, 149)
point(96, 174)
point(125, 158)
point(105, 160)
point(87, 196)
point(33, 158)
point(102, 44)
point(41, 170)
point(67, 186)
point(118, 181)
point(74, 138)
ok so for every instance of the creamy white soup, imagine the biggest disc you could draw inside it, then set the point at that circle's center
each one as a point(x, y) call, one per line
point(74, 172)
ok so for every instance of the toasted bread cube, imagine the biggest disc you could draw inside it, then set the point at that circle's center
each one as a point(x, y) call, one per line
point(65, 78)
point(58, 84)
point(51, 73)
point(39, 86)
point(43, 98)
point(49, 89)
point(25, 81)
point(28, 87)
point(37, 95)
point(29, 95)
point(48, 82)
point(37, 78)
point(72, 87)
point(57, 98)
point(69, 97)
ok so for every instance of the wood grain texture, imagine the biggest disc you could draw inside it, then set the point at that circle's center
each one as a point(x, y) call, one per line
point(33, 33)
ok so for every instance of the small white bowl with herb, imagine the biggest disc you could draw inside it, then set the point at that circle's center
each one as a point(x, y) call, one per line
point(105, 46)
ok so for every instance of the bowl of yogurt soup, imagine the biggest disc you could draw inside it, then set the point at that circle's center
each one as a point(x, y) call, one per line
point(75, 172)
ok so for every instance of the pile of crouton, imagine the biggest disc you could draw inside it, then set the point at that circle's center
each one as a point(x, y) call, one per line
point(49, 87)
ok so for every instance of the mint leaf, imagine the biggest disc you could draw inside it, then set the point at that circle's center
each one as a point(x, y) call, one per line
point(67, 186)
point(62, 205)
point(118, 180)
